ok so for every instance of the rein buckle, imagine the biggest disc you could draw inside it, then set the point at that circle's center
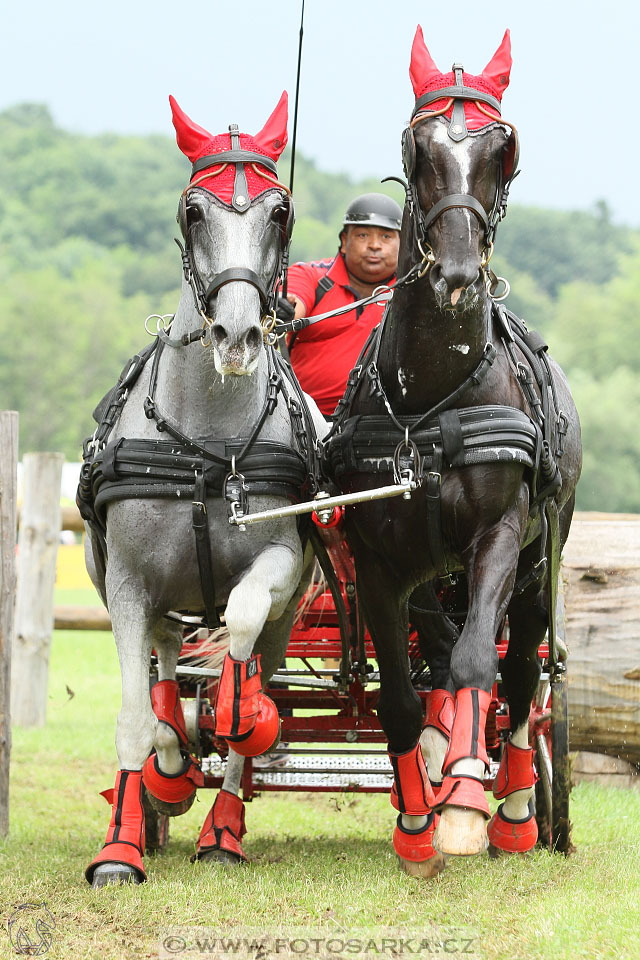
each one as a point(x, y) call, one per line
point(235, 491)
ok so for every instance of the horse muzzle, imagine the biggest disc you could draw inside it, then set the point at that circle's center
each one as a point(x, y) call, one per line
point(236, 354)
point(456, 286)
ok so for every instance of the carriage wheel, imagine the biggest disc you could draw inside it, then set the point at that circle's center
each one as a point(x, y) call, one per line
point(551, 742)
point(554, 770)
point(156, 827)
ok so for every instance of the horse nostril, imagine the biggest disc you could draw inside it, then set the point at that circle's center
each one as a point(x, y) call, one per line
point(254, 338)
point(219, 334)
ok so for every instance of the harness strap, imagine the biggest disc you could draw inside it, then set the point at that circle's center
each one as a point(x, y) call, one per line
point(233, 156)
point(434, 514)
point(200, 524)
point(233, 274)
point(325, 284)
point(457, 92)
point(456, 200)
point(153, 412)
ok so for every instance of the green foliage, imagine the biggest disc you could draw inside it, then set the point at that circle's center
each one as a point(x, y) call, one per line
point(86, 252)
point(561, 246)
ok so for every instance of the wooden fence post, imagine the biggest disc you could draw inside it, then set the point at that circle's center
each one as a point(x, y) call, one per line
point(37, 553)
point(8, 517)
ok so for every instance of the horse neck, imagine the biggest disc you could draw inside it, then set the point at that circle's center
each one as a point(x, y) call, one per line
point(195, 396)
point(425, 352)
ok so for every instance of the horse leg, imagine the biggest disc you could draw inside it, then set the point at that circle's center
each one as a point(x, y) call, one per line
point(170, 776)
point(120, 860)
point(437, 635)
point(244, 715)
point(513, 828)
point(490, 565)
point(400, 712)
point(220, 839)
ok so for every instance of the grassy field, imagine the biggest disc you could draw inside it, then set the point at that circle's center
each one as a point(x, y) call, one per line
point(320, 863)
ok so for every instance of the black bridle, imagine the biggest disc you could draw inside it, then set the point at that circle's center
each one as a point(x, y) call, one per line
point(240, 203)
point(457, 131)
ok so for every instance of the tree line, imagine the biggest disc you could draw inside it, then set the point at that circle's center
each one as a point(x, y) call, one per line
point(86, 253)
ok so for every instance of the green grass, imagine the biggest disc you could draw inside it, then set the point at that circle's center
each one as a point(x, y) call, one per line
point(318, 862)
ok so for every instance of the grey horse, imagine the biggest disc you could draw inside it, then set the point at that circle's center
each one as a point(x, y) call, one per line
point(217, 380)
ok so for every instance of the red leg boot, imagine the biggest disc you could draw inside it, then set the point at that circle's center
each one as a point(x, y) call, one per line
point(223, 830)
point(123, 848)
point(244, 715)
point(515, 773)
point(412, 794)
point(467, 741)
point(441, 707)
point(171, 794)
point(165, 703)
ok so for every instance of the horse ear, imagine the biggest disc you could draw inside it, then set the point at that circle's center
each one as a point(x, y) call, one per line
point(499, 67)
point(190, 137)
point(422, 68)
point(273, 136)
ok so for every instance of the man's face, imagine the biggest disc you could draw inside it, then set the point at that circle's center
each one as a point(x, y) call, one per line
point(371, 253)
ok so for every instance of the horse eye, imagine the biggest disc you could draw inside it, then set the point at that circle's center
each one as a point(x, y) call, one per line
point(194, 214)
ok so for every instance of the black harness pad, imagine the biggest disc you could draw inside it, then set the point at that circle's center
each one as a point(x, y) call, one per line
point(472, 435)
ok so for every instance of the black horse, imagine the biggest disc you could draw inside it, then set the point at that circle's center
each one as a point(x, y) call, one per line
point(456, 392)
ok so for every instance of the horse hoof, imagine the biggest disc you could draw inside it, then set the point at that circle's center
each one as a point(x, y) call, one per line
point(118, 873)
point(496, 852)
point(461, 832)
point(424, 869)
point(171, 809)
point(223, 857)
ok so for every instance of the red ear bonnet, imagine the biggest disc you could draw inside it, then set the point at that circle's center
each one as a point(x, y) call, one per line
point(498, 70)
point(196, 142)
point(272, 139)
point(422, 68)
point(426, 78)
point(191, 138)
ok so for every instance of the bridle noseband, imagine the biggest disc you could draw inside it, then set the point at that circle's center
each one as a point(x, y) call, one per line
point(457, 130)
point(240, 203)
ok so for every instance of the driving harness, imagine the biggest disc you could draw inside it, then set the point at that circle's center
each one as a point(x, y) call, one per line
point(448, 437)
point(445, 436)
point(183, 467)
point(186, 469)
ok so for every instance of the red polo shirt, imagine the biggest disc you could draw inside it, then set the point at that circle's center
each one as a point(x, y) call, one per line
point(323, 354)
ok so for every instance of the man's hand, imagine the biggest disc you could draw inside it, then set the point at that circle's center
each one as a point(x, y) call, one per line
point(299, 306)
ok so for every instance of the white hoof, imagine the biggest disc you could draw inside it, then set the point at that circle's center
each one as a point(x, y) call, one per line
point(461, 832)
point(425, 869)
point(118, 873)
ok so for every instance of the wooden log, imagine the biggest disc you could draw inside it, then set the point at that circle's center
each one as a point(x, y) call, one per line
point(602, 595)
point(37, 552)
point(603, 770)
point(8, 518)
point(81, 618)
point(71, 519)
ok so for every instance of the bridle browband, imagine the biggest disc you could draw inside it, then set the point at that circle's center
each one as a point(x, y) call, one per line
point(457, 131)
point(240, 203)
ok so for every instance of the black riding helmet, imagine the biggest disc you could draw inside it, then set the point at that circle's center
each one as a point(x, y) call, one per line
point(374, 209)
